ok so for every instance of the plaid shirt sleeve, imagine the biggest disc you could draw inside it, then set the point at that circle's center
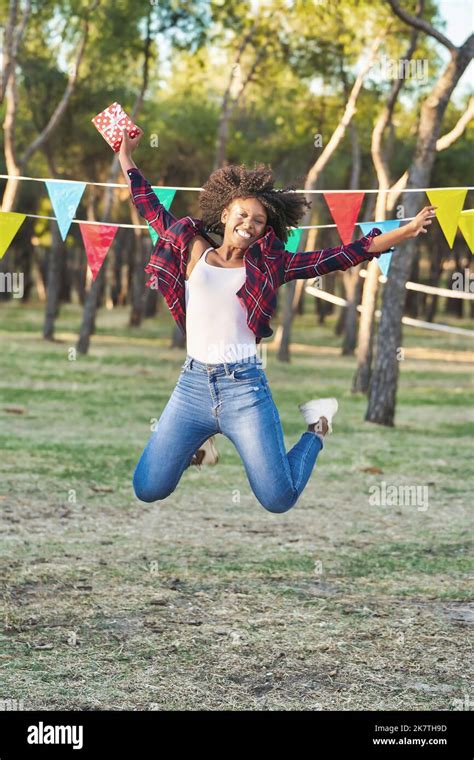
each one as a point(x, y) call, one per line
point(148, 204)
point(306, 264)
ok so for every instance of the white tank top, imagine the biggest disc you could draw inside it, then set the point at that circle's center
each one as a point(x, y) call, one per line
point(216, 321)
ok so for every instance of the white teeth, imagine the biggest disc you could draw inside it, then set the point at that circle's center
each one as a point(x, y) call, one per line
point(243, 234)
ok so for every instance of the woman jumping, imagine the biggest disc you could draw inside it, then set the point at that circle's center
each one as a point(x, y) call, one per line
point(222, 297)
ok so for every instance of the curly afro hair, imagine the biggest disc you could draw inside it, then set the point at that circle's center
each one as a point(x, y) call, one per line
point(284, 207)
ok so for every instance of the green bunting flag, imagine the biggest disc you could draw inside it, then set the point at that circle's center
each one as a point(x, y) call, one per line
point(294, 237)
point(166, 198)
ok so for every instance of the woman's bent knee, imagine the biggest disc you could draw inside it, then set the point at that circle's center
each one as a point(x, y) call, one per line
point(148, 492)
point(280, 503)
point(149, 495)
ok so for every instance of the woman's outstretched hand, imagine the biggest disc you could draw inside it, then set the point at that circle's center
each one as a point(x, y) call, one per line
point(383, 242)
point(421, 220)
point(129, 144)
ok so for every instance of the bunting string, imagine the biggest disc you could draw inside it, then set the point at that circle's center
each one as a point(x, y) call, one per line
point(343, 205)
point(198, 189)
point(145, 226)
point(436, 326)
point(428, 289)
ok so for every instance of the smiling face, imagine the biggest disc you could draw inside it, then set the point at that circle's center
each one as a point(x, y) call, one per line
point(245, 221)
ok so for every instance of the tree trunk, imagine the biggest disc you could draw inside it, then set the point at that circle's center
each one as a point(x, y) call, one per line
point(232, 95)
point(90, 304)
point(90, 294)
point(152, 303)
point(283, 353)
point(80, 276)
point(54, 263)
point(26, 266)
point(383, 390)
point(362, 376)
point(142, 250)
point(177, 338)
point(347, 324)
point(89, 313)
point(116, 295)
point(351, 314)
point(311, 183)
point(361, 379)
point(436, 269)
point(455, 306)
point(15, 165)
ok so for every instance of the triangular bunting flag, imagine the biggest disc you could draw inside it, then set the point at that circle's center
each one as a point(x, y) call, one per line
point(65, 198)
point(165, 196)
point(466, 225)
point(294, 237)
point(10, 223)
point(389, 224)
point(450, 203)
point(344, 208)
point(97, 241)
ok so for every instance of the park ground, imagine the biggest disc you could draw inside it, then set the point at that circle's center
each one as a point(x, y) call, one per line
point(205, 600)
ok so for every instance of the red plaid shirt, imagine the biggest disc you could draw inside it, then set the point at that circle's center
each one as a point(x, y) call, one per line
point(268, 265)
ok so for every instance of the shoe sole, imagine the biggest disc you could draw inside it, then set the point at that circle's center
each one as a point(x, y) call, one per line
point(212, 454)
point(209, 456)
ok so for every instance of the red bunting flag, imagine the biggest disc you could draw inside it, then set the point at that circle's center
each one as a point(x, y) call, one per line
point(344, 208)
point(97, 240)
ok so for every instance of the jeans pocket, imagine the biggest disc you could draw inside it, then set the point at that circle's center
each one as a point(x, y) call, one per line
point(247, 373)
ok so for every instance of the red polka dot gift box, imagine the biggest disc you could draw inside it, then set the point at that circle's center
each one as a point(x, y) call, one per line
point(110, 122)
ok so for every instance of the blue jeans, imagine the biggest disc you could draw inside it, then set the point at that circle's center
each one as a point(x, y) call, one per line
point(233, 399)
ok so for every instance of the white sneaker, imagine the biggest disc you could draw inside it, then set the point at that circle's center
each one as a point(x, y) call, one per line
point(211, 455)
point(206, 454)
point(319, 407)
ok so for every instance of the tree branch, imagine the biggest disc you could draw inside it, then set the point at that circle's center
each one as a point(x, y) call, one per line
point(446, 140)
point(13, 39)
point(441, 144)
point(379, 157)
point(62, 105)
point(349, 111)
point(260, 55)
point(421, 24)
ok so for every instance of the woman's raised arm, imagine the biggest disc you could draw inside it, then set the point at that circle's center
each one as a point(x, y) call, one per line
point(410, 230)
point(145, 199)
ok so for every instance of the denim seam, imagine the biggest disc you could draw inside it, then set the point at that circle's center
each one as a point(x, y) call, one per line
point(283, 453)
point(219, 404)
point(303, 462)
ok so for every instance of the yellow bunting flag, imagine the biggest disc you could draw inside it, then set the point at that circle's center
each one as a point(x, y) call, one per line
point(450, 203)
point(10, 223)
point(466, 225)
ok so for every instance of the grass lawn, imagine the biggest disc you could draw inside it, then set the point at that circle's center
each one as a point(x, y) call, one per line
point(205, 600)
